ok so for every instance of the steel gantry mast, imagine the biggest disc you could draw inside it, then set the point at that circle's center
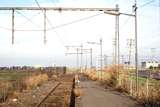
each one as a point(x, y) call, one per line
point(45, 9)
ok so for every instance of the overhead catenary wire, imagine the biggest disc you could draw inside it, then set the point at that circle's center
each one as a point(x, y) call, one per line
point(58, 26)
point(125, 22)
point(145, 4)
point(75, 21)
point(27, 18)
point(33, 16)
point(49, 23)
point(5, 28)
point(53, 28)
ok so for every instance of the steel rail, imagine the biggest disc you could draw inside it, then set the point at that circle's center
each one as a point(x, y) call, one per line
point(54, 88)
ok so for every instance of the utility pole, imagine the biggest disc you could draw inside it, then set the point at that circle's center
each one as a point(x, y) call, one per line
point(88, 51)
point(101, 63)
point(152, 53)
point(45, 26)
point(77, 59)
point(130, 43)
point(117, 51)
point(12, 26)
point(106, 60)
point(91, 58)
point(115, 41)
point(118, 44)
point(81, 58)
point(101, 56)
point(114, 52)
point(136, 46)
point(77, 49)
point(122, 59)
point(86, 63)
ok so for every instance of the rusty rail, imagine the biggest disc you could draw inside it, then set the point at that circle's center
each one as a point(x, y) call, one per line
point(54, 88)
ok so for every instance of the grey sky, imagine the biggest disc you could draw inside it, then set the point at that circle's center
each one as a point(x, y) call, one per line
point(29, 49)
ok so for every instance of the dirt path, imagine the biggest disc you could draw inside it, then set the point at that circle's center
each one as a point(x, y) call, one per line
point(96, 96)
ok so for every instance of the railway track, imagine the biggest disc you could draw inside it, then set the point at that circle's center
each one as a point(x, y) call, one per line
point(59, 95)
point(54, 93)
point(43, 100)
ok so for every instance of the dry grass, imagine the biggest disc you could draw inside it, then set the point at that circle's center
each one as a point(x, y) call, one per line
point(153, 97)
point(13, 83)
point(121, 81)
point(35, 80)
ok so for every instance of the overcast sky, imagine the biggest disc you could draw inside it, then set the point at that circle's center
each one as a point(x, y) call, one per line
point(30, 50)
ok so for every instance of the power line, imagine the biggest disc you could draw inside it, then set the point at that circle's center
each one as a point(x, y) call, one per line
point(5, 28)
point(75, 21)
point(145, 4)
point(30, 18)
point(125, 22)
point(27, 18)
point(58, 26)
point(49, 23)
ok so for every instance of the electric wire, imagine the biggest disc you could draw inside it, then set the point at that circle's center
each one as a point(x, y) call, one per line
point(33, 16)
point(125, 22)
point(147, 3)
point(58, 26)
point(50, 23)
point(1, 27)
point(75, 21)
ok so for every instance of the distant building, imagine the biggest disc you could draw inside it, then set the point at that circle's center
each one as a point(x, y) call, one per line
point(149, 64)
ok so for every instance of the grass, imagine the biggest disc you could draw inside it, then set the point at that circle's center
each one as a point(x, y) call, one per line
point(12, 75)
point(121, 81)
point(12, 82)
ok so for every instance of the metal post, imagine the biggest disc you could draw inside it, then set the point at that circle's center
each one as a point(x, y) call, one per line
point(77, 60)
point(12, 26)
point(86, 63)
point(130, 43)
point(106, 60)
point(115, 48)
point(91, 58)
point(81, 57)
point(118, 60)
point(101, 56)
point(122, 60)
point(136, 46)
point(44, 26)
point(117, 43)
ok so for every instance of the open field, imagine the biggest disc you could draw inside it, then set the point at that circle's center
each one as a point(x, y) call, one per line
point(14, 82)
point(55, 93)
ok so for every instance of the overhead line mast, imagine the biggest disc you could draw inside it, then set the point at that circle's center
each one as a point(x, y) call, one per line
point(44, 9)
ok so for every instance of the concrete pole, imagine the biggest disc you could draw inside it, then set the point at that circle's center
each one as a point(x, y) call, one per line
point(101, 56)
point(77, 60)
point(118, 43)
point(81, 57)
point(115, 48)
point(44, 26)
point(86, 63)
point(136, 47)
point(91, 58)
point(12, 26)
